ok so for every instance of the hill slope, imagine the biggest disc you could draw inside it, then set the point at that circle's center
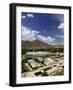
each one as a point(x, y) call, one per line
point(36, 44)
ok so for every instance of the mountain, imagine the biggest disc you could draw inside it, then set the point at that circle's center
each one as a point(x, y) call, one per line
point(59, 46)
point(36, 44)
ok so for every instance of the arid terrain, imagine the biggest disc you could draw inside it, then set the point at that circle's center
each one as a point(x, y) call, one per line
point(41, 59)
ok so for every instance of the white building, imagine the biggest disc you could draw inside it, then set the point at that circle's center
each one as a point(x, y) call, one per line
point(39, 53)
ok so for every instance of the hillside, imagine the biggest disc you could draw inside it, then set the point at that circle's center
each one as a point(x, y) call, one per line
point(36, 44)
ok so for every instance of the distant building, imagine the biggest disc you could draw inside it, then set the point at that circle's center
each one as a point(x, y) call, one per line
point(33, 64)
point(39, 53)
point(60, 53)
point(48, 61)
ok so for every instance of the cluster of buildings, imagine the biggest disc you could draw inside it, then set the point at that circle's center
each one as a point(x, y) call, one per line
point(38, 65)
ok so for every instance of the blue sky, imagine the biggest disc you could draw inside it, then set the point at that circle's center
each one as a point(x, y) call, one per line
point(48, 28)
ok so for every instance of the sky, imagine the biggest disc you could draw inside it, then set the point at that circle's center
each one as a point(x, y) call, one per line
point(48, 28)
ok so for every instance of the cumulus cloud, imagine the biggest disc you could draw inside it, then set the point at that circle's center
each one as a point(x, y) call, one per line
point(61, 26)
point(28, 34)
point(31, 35)
point(23, 16)
point(30, 15)
point(48, 39)
point(59, 36)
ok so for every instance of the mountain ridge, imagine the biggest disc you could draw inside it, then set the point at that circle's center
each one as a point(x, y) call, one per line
point(39, 44)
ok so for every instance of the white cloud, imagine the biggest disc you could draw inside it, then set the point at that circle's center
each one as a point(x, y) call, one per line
point(34, 31)
point(28, 34)
point(48, 39)
point(60, 36)
point(61, 26)
point(23, 17)
point(30, 15)
point(31, 35)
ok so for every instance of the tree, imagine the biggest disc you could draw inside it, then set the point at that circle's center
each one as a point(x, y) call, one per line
point(44, 74)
